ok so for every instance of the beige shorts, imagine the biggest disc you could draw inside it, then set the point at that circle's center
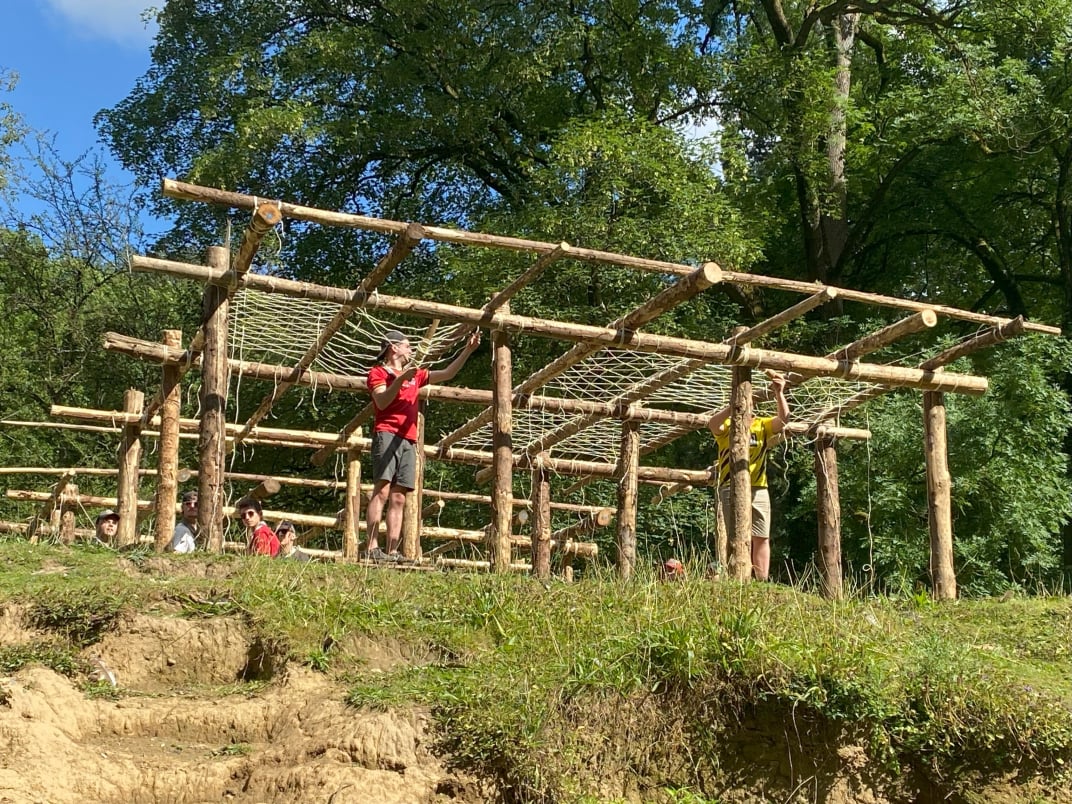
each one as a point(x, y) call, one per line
point(760, 512)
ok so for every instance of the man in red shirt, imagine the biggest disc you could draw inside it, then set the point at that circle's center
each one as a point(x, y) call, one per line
point(394, 385)
point(262, 540)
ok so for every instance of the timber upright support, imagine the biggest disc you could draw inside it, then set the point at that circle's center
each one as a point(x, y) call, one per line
point(541, 520)
point(212, 446)
point(939, 498)
point(502, 487)
point(352, 511)
point(628, 460)
point(411, 513)
point(168, 446)
point(68, 504)
point(739, 547)
point(129, 459)
point(827, 501)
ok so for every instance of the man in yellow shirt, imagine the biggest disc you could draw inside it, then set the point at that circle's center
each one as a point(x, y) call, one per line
point(762, 432)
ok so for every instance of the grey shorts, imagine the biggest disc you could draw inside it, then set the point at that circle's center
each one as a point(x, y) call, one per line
point(394, 459)
point(760, 512)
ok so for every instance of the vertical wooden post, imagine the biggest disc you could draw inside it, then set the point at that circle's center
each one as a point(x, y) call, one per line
point(739, 552)
point(502, 492)
point(939, 497)
point(66, 512)
point(212, 446)
point(411, 517)
point(827, 501)
point(353, 503)
point(541, 521)
point(129, 460)
point(628, 460)
point(168, 445)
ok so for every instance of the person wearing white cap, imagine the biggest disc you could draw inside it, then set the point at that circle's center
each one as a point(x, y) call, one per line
point(107, 526)
point(394, 385)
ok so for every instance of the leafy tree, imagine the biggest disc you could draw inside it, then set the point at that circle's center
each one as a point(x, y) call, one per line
point(65, 234)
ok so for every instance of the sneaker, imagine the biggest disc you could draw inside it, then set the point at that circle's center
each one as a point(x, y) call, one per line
point(377, 555)
point(397, 558)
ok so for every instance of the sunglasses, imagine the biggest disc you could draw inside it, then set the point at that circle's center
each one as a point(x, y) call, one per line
point(248, 513)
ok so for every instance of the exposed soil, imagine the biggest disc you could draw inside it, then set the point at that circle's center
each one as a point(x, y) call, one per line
point(186, 726)
point(186, 730)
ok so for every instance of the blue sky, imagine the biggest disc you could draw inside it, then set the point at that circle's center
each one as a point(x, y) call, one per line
point(73, 58)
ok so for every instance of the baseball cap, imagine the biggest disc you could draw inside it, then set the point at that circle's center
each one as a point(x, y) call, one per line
point(284, 526)
point(107, 513)
point(188, 496)
point(390, 338)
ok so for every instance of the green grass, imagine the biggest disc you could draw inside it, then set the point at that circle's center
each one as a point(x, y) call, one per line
point(532, 685)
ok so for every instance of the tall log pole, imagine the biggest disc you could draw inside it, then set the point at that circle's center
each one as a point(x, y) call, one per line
point(939, 498)
point(739, 553)
point(129, 458)
point(502, 491)
point(352, 518)
point(68, 504)
point(411, 513)
point(827, 499)
point(628, 460)
point(541, 522)
point(212, 447)
point(168, 446)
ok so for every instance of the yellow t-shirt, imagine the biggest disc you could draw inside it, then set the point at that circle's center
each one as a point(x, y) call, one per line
point(761, 434)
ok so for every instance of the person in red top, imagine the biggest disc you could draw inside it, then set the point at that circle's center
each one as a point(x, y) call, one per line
point(262, 540)
point(394, 385)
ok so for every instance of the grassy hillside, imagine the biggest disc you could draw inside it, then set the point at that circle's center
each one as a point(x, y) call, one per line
point(692, 691)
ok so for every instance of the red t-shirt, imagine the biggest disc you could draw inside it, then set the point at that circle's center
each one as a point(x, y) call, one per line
point(264, 542)
point(400, 417)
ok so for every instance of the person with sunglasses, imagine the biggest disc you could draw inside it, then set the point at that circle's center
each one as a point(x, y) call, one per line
point(261, 540)
point(288, 547)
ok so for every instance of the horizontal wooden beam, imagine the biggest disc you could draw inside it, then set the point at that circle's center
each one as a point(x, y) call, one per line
point(193, 192)
point(602, 336)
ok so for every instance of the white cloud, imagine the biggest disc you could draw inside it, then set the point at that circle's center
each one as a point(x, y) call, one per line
point(119, 21)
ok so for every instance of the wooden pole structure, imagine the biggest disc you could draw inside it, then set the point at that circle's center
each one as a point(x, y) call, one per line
point(265, 489)
point(67, 507)
point(304, 439)
point(212, 447)
point(434, 508)
point(827, 499)
point(49, 508)
point(129, 458)
point(502, 492)
point(411, 513)
point(402, 247)
point(739, 553)
point(541, 522)
point(168, 445)
point(183, 475)
point(694, 283)
point(265, 216)
point(620, 334)
point(628, 460)
point(352, 520)
point(939, 498)
point(209, 195)
point(983, 340)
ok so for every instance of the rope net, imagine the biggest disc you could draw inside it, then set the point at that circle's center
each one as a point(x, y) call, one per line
point(276, 329)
